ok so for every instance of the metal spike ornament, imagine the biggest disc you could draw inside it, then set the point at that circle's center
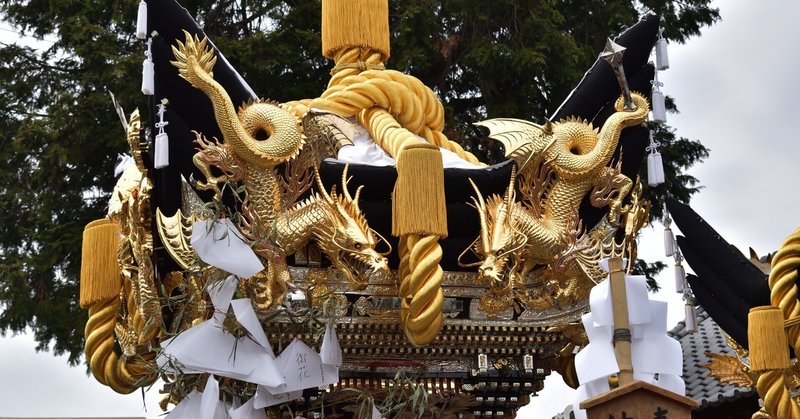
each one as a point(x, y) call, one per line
point(613, 56)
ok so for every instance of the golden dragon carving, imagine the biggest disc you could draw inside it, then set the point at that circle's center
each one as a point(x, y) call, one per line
point(559, 163)
point(133, 317)
point(258, 138)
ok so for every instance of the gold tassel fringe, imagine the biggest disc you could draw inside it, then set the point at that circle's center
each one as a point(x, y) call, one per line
point(418, 201)
point(100, 271)
point(769, 348)
point(355, 23)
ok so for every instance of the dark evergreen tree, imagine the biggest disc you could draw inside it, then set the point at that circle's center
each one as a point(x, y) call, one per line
point(59, 135)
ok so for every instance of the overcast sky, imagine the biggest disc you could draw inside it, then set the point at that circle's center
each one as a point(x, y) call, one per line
point(736, 87)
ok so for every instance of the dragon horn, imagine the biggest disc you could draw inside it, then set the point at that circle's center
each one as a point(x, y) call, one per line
point(345, 192)
point(510, 193)
point(321, 187)
point(480, 205)
point(548, 127)
point(358, 195)
point(383, 239)
point(467, 265)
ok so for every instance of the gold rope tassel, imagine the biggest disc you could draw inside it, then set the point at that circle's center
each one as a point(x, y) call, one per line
point(771, 384)
point(769, 349)
point(418, 202)
point(394, 108)
point(100, 272)
point(419, 216)
point(355, 23)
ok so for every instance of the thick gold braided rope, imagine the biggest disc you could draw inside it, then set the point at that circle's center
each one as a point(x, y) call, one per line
point(420, 290)
point(771, 385)
point(122, 375)
point(393, 107)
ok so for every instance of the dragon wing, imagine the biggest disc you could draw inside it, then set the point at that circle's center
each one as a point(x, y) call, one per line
point(517, 136)
point(176, 233)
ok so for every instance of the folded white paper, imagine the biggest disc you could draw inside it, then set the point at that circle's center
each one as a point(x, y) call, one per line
point(365, 151)
point(188, 408)
point(587, 391)
point(376, 414)
point(246, 316)
point(638, 305)
point(220, 244)
point(303, 368)
point(672, 383)
point(221, 294)
point(248, 411)
point(596, 360)
point(222, 353)
point(265, 398)
point(330, 351)
point(210, 405)
point(656, 352)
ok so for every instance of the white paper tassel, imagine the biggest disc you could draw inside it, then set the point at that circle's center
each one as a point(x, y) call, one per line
point(659, 108)
point(669, 242)
point(662, 58)
point(148, 77)
point(141, 21)
point(655, 169)
point(680, 278)
point(691, 318)
point(161, 154)
point(161, 158)
point(330, 351)
point(148, 72)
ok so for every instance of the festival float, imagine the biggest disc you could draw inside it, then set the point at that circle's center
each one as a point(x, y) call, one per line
point(339, 255)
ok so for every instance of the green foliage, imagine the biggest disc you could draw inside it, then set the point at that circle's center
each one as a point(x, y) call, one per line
point(59, 135)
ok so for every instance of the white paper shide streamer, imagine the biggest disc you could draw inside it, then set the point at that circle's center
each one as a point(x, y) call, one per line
point(657, 359)
point(247, 358)
point(330, 350)
point(161, 155)
point(148, 71)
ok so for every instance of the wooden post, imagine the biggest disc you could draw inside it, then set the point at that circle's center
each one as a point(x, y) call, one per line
point(622, 331)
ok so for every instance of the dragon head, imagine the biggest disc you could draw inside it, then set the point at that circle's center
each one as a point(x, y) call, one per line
point(501, 244)
point(346, 238)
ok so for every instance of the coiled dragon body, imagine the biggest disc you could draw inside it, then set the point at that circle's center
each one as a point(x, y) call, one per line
point(258, 138)
point(559, 163)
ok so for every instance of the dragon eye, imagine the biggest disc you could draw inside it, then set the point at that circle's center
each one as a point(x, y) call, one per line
point(358, 246)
